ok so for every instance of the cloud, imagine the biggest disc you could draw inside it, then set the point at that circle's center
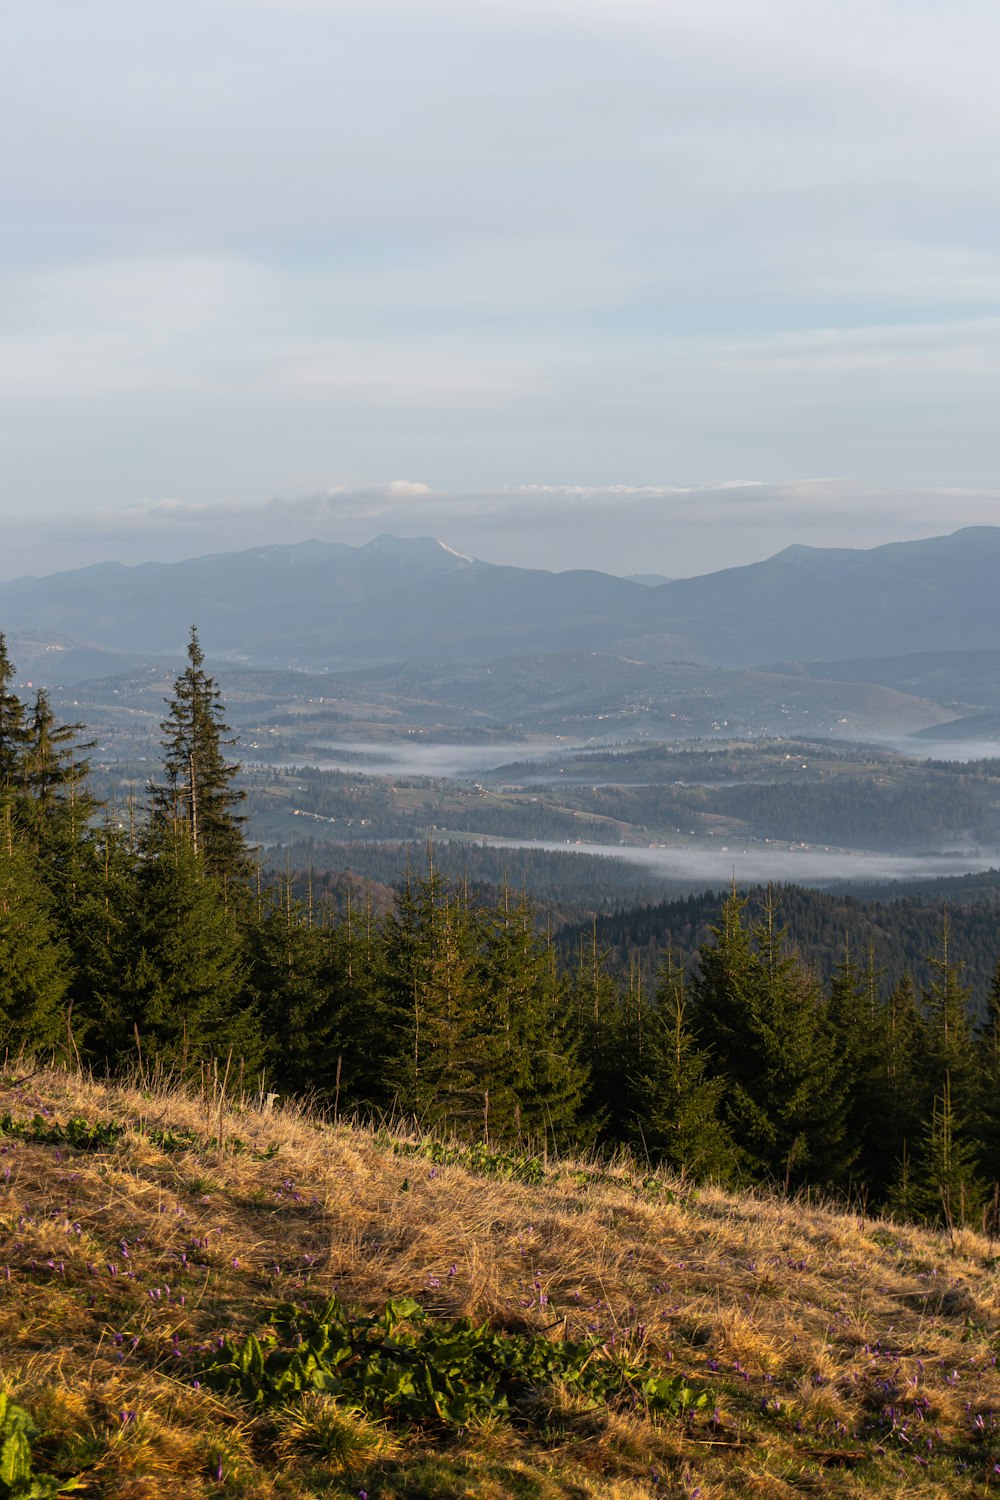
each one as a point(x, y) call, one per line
point(968, 348)
point(525, 251)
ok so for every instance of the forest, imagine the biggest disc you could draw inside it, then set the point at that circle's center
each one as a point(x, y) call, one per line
point(144, 937)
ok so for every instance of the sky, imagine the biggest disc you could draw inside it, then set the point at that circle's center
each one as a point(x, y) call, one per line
point(646, 285)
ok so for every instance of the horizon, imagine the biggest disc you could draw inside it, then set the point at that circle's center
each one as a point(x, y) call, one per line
point(676, 532)
point(306, 541)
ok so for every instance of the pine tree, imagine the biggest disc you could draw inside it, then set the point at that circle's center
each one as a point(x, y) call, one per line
point(530, 1072)
point(182, 988)
point(987, 1131)
point(759, 1009)
point(609, 1025)
point(680, 1121)
point(857, 1025)
point(58, 808)
point(197, 794)
point(34, 962)
point(942, 1184)
point(13, 730)
point(430, 950)
point(303, 999)
point(901, 1117)
point(942, 1170)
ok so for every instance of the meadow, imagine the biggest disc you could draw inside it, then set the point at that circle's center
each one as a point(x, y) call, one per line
point(208, 1294)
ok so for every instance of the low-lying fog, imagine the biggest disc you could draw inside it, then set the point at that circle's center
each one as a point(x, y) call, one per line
point(402, 759)
point(956, 750)
point(717, 867)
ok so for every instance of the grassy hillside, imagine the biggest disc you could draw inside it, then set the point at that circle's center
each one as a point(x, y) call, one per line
point(657, 1341)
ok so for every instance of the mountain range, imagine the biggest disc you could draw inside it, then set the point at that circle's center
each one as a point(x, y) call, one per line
point(330, 606)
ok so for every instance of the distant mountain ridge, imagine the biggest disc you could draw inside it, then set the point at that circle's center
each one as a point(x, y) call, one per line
point(331, 606)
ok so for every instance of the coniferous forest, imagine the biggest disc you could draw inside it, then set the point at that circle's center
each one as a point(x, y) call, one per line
point(144, 937)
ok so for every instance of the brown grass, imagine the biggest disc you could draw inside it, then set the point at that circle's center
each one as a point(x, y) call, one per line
point(849, 1356)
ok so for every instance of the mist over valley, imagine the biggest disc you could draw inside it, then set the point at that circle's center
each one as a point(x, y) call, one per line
point(400, 692)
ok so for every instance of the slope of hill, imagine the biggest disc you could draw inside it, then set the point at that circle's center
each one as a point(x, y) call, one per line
point(628, 1337)
point(970, 677)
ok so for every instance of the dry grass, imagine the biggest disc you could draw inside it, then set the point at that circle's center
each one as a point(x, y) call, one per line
point(848, 1357)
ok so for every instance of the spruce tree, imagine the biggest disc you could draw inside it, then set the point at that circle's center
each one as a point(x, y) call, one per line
point(34, 962)
point(857, 1026)
point(58, 808)
point(183, 984)
point(903, 1053)
point(530, 1071)
point(13, 730)
point(760, 1011)
point(301, 994)
point(430, 950)
point(197, 793)
point(943, 1180)
point(103, 930)
point(54, 770)
point(680, 1120)
point(610, 1027)
point(987, 1121)
point(948, 1044)
point(942, 1185)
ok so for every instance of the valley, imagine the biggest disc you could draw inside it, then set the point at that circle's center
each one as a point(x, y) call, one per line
point(555, 731)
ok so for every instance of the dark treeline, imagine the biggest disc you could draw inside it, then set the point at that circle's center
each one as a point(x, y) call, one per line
point(146, 937)
point(905, 932)
point(565, 887)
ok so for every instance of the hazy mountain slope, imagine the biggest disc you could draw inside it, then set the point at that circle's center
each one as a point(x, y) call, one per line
point(236, 597)
point(933, 595)
point(967, 677)
point(467, 613)
point(328, 605)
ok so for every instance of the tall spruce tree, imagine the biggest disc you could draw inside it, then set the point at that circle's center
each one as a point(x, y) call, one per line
point(58, 808)
point(55, 771)
point(857, 1024)
point(430, 951)
point(610, 1026)
point(759, 1009)
point(301, 991)
point(943, 1181)
point(197, 794)
point(13, 728)
point(903, 1054)
point(988, 1111)
point(680, 1121)
point(34, 962)
point(103, 931)
point(182, 998)
point(530, 1073)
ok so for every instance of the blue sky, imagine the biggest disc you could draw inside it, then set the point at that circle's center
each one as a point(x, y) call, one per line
point(653, 285)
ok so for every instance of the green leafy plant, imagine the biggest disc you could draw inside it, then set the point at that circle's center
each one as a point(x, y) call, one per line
point(102, 1135)
point(405, 1367)
point(18, 1477)
point(479, 1158)
point(83, 1135)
